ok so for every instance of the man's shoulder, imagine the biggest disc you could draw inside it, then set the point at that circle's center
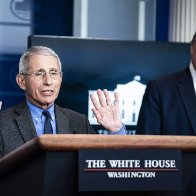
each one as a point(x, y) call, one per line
point(7, 111)
point(167, 83)
point(171, 78)
point(13, 109)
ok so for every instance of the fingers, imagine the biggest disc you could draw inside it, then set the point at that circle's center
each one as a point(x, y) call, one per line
point(96, 113)
point(107, 97)
point(94, 101)
point(116, 99)
point(104, 99)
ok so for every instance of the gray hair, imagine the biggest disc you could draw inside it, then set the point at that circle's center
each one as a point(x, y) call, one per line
point(24, 59)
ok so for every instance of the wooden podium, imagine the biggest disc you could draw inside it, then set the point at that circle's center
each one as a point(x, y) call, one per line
point(48, 165)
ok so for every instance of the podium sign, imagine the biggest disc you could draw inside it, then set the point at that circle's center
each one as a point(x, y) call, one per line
point(130, 170)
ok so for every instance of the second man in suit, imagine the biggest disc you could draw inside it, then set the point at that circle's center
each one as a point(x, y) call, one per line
point(169, 103)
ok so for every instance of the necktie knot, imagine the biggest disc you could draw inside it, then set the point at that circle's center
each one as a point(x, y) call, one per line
point(47, 124)
point(46, 114)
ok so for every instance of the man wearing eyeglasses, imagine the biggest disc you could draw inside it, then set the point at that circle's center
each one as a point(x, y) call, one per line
point(40, 76)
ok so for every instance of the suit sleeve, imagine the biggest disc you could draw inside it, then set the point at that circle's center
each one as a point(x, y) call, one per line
point(149, 120)
point(89, 127)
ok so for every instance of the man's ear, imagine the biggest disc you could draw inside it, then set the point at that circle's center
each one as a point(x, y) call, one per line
point(21, 81)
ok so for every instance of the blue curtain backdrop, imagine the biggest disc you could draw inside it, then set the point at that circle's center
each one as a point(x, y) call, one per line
point(162, 20)
point(53, 17)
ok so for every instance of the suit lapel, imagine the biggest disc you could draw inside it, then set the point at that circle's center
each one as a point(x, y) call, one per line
point(26, 125)
point(25, 122)
point(62, 121)
point(187, 93)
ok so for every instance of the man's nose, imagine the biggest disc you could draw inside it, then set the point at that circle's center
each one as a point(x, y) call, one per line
point(47, 78)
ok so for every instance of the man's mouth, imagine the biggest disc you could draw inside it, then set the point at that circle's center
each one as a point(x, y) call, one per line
point(47, 92)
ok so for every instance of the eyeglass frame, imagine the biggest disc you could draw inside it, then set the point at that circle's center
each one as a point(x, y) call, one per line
point(43, 74)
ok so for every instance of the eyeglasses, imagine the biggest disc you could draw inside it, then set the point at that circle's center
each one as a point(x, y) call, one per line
point(39, 75)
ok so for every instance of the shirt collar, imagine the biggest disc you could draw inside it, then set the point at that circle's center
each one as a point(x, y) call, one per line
point(193, 74)
point(36, 111)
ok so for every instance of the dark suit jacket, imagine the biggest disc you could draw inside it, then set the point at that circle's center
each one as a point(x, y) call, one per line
point(17, 127)
point(169, 106)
